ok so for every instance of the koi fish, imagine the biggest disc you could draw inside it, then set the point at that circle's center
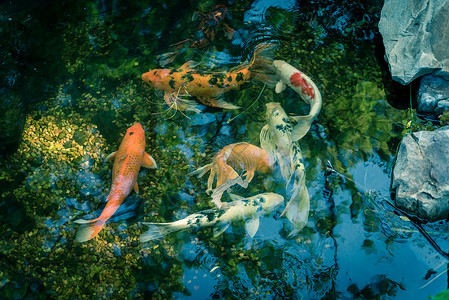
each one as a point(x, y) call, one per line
point(298, 207)
point(275, 139)
point(128, 159)
point(306, 88)
point(209, 25)
point(248, 209)
point(240, 155)
point(207, 87)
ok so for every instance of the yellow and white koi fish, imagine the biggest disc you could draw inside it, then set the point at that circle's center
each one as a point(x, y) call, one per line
point(275, 139)
point(298, 207)
point(306, 88)
point(248, 209)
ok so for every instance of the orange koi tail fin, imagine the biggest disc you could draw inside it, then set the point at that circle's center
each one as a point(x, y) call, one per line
point(88, 229)
point(261, 64)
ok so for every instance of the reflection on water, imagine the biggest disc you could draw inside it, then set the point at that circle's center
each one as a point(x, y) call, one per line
point(76, 89)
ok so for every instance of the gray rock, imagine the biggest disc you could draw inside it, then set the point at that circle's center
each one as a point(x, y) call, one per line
point(433, 96)
point(416, 38)
point(421, 174)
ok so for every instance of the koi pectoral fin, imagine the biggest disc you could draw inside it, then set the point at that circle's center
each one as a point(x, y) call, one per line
point(219, 229)
point(216, 102)
point(136, 187)
point(266, 143)
point(180, 102)
point(280, 87)
point(148, 162)
point(110, 156)
point(251, 226)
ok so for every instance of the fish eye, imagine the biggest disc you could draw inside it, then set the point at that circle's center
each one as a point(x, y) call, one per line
point(131, 133)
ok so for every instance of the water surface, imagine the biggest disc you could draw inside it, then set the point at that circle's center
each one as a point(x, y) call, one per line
point(71, 76)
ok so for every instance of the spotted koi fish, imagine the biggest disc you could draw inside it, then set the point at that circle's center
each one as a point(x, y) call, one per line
point(241, 156)
point(298, 207)
point(276, 140)
point(179, 84)
point(248, 209)
point(306, 88)
point(128, 159)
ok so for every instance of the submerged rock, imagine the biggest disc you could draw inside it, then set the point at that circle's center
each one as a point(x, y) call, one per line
point(433, 96)
point(416, 38)
point(420, 180)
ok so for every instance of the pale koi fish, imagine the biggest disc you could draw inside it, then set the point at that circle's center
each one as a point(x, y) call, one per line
point(306, 88)
point(128, 159)
point(248, 209)
point(240, 156)
point(275, 139)
point(298, 207)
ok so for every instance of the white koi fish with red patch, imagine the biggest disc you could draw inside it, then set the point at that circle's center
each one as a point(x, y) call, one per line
point(306, 88)
point(128, 159)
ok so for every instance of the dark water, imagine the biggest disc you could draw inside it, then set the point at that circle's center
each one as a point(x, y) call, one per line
point(71, 87)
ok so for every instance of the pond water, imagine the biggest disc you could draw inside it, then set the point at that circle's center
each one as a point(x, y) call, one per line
point(72, 86)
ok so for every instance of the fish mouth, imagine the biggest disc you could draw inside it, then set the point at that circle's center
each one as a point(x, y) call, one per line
point(277, 64)
point(146, 78)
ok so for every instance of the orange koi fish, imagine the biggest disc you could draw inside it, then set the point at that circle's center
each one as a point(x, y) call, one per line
point(128, 159)
point(241, 156)
point(179, 84)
